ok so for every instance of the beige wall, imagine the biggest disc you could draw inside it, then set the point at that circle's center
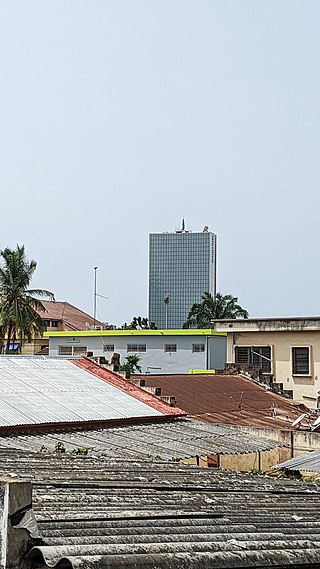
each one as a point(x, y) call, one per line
point(299, 442)
point(260, 460)
point(306, 389)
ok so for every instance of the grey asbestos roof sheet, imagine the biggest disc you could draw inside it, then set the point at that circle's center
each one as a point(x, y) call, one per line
point(43, 390)
point(97, 513)
point(309, 462)
point(174, 439)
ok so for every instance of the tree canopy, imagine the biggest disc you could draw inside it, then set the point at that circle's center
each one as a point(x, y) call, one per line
point(132, 364)
point(19, 304)
point(211, 308)
point(139, 323)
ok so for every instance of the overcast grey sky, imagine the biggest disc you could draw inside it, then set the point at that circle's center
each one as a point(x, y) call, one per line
point(118, 118)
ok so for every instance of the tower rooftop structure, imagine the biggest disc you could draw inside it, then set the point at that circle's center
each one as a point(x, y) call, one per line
point(182, 266)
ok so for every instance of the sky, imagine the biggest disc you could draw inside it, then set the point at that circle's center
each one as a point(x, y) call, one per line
point(119, 118)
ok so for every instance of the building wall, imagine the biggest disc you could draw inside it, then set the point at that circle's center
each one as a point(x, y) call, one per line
point(306, 389)
point(298, 442)
point(246, 462)
point(183, 266)
point(155, 359)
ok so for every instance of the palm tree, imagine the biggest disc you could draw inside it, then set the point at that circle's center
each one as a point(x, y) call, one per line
point(221, 306)
point(132, 364)
point(19, 305)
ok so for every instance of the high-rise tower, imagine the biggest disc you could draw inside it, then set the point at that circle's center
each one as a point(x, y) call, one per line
point(182, 266)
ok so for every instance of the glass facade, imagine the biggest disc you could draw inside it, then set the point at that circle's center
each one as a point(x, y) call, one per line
point(182, 266)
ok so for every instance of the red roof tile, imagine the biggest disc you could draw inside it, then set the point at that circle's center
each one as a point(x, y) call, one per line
point(67, 313)
point(227, 399)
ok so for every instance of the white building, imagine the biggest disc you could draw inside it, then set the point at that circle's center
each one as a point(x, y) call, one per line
point(160, 351)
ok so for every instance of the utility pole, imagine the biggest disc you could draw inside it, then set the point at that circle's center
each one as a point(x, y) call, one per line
point(95, 298)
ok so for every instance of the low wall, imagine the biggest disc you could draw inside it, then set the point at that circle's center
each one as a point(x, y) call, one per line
point(299, 442)
point(260, 460)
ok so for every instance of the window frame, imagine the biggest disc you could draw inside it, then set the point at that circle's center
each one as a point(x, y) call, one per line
point(295, 373)
point(167, 348)
point(108, 348)
point(201, 351)
point(136, 348)
point(252, 349)
point(84, 349)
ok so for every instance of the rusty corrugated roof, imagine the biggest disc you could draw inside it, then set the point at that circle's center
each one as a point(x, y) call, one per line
point(227, 399)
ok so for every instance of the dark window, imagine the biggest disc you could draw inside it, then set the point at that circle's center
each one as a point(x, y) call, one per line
point(136, 348)
point(54, 323)
point(300, 361)
point(65, 351)
point(72, 350)
point(80, 350)
point(170, 348)
point(198, 347)
point(108, 348)
point(256, 356)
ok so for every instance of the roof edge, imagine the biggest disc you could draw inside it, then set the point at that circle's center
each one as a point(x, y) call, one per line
point(79, 425)
point(128, 388)
point(180, 332)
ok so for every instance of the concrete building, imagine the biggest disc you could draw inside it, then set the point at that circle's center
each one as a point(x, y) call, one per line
point(182, 266)
point(161, 351)
point(286, 349)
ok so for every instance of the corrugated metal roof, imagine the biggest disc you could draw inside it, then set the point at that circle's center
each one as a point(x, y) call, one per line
point(170, 440)
point(309, 462)
point(51, 390)
point(101, 513)
point(227, 399)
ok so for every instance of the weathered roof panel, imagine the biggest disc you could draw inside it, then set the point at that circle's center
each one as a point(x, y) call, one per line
point(227, 399)
point(95, 513)
point(170, 440)
point(35, 390)
point(309, 462)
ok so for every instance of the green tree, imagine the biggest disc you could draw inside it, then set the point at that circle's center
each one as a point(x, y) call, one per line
point(19, 305)
point(221, 306)
point(132, 364)
point(140, 323)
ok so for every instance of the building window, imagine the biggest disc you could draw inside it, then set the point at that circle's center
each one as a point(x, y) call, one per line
point(54, 323)
point(170, 348)
point(65, 351)
point(72, 350)
point(198, 347)
point(136, 348)
point(79, 350)
point(108, 348)
point(256, 356)
point(300, 361)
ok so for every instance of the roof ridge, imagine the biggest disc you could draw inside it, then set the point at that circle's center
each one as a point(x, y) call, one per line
point(133, 390)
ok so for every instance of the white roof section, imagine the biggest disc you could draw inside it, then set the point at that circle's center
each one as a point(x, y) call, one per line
point(309, 462)
point(36, 391)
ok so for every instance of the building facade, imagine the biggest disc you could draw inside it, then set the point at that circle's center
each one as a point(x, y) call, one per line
point(160, 351)
point(182, 266)
point(287, 349)
point(58, 316)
